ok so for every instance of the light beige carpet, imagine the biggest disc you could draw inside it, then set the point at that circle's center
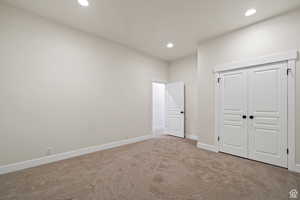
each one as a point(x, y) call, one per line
point(165, 168)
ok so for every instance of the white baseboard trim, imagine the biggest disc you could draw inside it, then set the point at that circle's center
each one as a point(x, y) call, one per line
point(207, 147)
point(192, 137)
point(294, 168)
point(66, 155)
point(158, 132)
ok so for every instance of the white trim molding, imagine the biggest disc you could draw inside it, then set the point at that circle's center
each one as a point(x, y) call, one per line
point(66, 155)
point(207, 147)
point(159, 132)
point(192, 137)
point(290, 57)
point(292, 165)
point(277, 57)
point(217, 108)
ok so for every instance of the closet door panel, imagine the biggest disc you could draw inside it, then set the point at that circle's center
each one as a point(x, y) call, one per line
point(233, 131)
point(267, 110)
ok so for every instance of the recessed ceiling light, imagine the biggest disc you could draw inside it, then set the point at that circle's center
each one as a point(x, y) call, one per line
point(250, 12)
point(83, 3)
point(170, 45)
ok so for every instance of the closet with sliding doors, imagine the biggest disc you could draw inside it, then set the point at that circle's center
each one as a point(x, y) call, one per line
point(253, 111)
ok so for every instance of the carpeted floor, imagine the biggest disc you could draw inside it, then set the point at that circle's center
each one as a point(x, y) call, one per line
point(165, 168)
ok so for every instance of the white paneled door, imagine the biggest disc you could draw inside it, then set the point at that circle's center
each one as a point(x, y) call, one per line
point(175, 109)
point(267, 106)
point(234, 110)
point(253, 118)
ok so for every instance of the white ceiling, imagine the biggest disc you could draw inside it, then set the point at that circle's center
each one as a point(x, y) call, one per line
point(147, 25)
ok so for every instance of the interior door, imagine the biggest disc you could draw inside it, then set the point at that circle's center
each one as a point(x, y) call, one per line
point(175, 109)
point(267, 106)
point(233, 130)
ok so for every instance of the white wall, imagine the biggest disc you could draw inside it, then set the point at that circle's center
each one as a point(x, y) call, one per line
point(275, 35)
point(66, 89)
point(185, 70)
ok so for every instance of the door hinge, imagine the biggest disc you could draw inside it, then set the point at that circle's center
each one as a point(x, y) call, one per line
point(218, 138)
point(287, 151)
point(288, 70)
point(219, 80)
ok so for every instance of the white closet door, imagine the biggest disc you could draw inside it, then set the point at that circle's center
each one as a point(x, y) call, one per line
point(267, 108)
point(233, 130)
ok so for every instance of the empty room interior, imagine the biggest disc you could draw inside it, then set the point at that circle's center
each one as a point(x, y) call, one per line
point(149, 100)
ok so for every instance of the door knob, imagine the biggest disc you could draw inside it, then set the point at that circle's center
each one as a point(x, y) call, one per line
point(244, 117)
point(251, 117)
point(182, 112)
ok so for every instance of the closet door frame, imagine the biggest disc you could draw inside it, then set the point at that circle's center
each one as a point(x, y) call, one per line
point(290, 57)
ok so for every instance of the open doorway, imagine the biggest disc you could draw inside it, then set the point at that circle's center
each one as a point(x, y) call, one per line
point(168, 109)
point(158, 108)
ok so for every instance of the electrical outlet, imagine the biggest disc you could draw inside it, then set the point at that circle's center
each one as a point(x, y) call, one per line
point(49, 151)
